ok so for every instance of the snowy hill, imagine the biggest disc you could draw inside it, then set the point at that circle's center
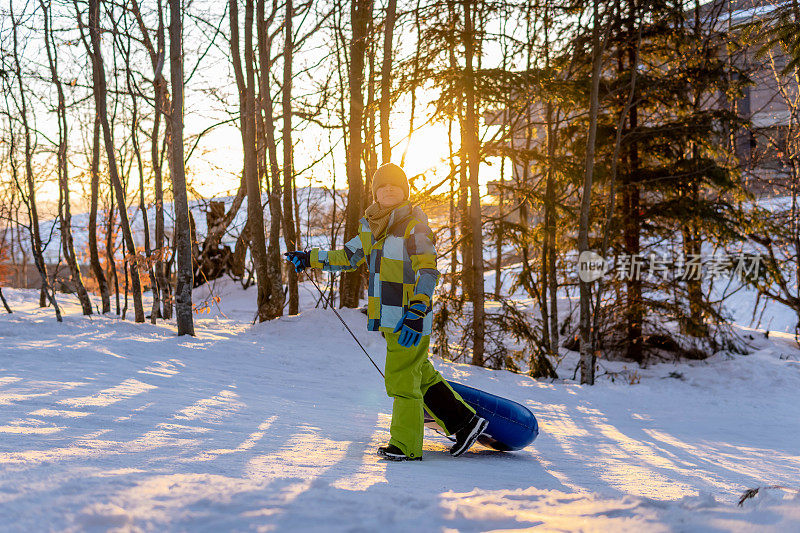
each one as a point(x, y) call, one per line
point(108, 425)
point(310, 199)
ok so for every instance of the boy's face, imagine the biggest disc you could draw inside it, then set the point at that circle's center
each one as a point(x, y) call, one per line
point(389, 195)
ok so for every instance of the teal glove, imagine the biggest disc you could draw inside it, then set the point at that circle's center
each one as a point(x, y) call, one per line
point(410, 326)
point(301, 260)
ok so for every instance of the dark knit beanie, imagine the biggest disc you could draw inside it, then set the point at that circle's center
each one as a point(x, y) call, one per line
point(389, 173)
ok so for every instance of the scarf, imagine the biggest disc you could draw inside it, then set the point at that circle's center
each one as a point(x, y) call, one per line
point(378, 218)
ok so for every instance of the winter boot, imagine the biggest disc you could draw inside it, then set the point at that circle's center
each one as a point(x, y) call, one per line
point(393, 453)
point(466, 436)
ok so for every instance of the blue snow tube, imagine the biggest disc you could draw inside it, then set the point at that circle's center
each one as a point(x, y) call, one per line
point(511, 425)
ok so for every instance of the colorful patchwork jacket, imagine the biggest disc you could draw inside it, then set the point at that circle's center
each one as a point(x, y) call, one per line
point(402, 266)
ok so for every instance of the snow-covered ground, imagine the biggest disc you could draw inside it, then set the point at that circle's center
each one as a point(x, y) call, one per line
point(109, 425)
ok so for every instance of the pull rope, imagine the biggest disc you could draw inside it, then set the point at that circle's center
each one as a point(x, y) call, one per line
point(322, 294)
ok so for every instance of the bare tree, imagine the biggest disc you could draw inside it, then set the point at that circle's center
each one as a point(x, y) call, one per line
point(65, 208)
point(47, 291)
point(247, 107)
point(162, 294)
point(100, 92)
point(133, 94)
point(277, 298)
point(183, 236)
point(360, 12)
point(290, 234)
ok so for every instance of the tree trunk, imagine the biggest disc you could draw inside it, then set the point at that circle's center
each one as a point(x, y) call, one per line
point(255, 214)
point(142, 203)
point(551, 213)
point(550, 231)
point(162, 292)
point(472, 151)
point(278, 298)
point(370, 156)
point(463, 183)
point(161, 286)
point(415, 81)
point(5, 303)
point(386, 81)
point(14, 221)
point(183, 236)
point(94, 256)
point(67, 244)
point(498, 236)
point(111, 263)
point(289, 233)
point(165, 305)
point(100, 91)
point(691, 228)
point(126, 285)
point(543, 276)
point(633, 222)
point(524, 211)
point(452, 218)
point(467, 271)
point(47, 292)
point(359, 13)
point(587, 358)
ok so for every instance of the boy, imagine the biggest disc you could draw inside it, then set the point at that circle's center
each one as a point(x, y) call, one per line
point(397, 245)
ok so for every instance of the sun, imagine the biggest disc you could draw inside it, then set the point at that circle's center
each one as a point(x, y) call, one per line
point(428, 157)
point(427, 154)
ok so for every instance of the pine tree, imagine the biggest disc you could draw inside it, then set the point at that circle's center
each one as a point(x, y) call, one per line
point(675, 171)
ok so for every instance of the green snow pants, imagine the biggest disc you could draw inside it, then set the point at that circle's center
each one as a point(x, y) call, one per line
point(413, 383)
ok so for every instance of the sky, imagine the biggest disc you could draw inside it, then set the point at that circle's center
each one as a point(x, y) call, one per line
point(216, 172)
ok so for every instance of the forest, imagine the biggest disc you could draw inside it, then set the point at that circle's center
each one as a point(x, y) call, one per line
point(151, 148)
